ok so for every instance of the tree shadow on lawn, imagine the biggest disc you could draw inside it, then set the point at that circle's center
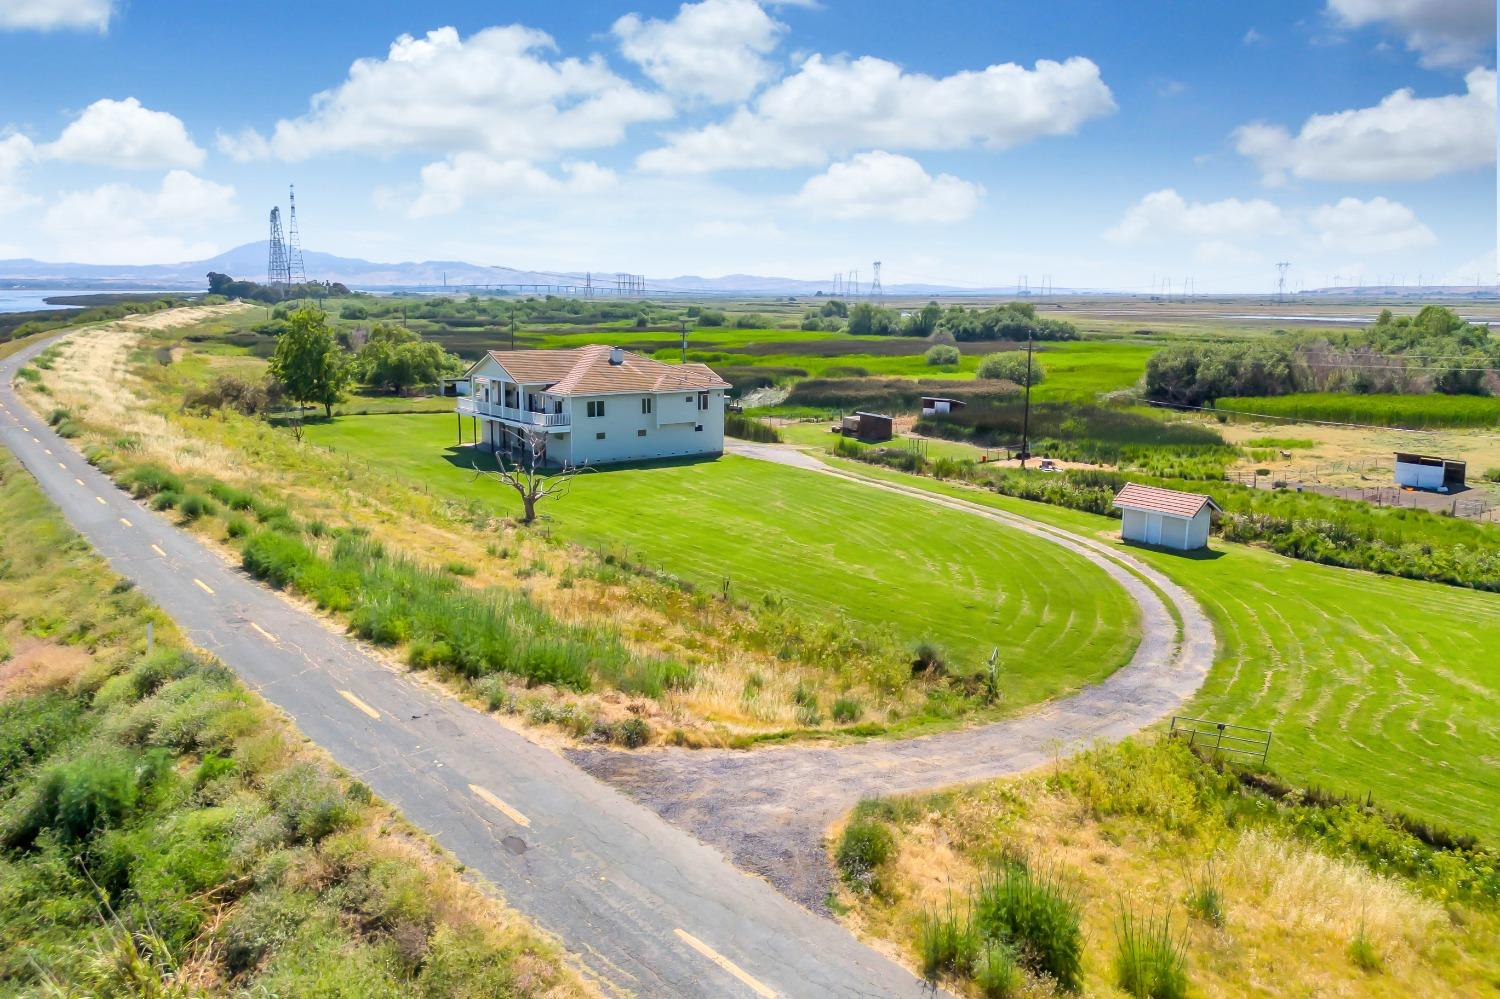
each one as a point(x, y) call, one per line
point(470, 456)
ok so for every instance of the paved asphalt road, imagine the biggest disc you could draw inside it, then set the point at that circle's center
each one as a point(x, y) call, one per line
point(648, 909)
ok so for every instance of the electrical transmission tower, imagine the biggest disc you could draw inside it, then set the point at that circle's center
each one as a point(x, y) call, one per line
point(875, 290)
point(294, 269)
point(277, 271)
point(1281, 280)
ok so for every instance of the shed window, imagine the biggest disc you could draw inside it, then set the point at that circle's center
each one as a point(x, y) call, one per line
point(640, 433)
point(646, 405)
point(599, 436)
point(596, 408)
point(698, 428)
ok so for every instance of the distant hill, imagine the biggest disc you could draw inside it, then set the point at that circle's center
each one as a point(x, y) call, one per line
point(249, 262)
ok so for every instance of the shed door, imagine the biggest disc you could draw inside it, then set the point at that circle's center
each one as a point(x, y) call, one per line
point(1153, 528)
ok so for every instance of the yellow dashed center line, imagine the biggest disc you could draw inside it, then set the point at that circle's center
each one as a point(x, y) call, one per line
point(360, 704)
point(264, 633)
point(158, 551)
point(202, 586)
point(46, 450)
point(126, 522)
point(493, 800)
point(100, 501)
point(725, 963)
point(35, 441)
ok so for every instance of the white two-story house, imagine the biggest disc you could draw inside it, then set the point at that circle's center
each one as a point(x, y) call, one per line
point(596, 405)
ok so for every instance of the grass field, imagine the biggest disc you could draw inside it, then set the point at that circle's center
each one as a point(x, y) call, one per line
point(1416, 411)
point(827, 548)
point(1370, 683)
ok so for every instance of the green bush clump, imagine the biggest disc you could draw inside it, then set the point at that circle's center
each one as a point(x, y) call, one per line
point(866, 844)
point(234, 499)
point(237, 527)
point(1038, 915)
point(845, 710)
point(275, 557)
point(1149, 961)
point(1012, 366)
point(750, 429)
point(147, 480)
point(947, 944)
point(194, 506)
point(995, 970)
point(458, 568)
point(84, 796)
point(165, 500)
point(942, 354)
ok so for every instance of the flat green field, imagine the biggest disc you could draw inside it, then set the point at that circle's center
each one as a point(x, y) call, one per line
point(1415, 411)
point(1370, 683)
point(829, 548)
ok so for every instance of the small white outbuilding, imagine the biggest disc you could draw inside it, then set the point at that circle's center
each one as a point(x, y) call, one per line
point(1165, 517)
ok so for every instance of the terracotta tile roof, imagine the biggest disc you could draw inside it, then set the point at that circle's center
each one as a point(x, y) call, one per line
point(1168, 501)
point(587, 371)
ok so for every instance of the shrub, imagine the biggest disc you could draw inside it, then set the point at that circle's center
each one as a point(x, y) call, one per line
point(311, 803)
point(1148, 959)
point(995, 971)
point(1037, 915)
point(1363, 953)
point(458, 568)
point(927, 657)
point(946, 942)
point(194, 506)
point(750, 429)
point(237, 527)
point(866, 844)
point(86, 795)
point(632, 733)
point(845, 710)
point(1011, 366)
point(166, 499)
point(234, 499)
point(1205, 899)
point(942, 354)
point(275, 557)
point(146, 480)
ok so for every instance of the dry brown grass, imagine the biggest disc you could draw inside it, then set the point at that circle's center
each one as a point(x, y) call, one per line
point(1291, 911)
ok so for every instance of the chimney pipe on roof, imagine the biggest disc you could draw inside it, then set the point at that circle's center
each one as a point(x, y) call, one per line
point(617, 356)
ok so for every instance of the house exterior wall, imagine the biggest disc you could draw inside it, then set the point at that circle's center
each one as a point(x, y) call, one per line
point(670, 429)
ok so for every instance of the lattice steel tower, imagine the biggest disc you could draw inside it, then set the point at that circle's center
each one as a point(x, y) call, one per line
point(875, 290)
point(295, 272)
point(277, 270)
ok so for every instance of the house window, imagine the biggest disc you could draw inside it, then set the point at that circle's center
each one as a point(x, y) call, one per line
point(640, 433)
point(646, 405)
point(596, 408)
point(599, 436)
point(698, 429)
point(702, 400)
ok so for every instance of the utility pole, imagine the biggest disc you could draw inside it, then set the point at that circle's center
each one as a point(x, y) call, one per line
point(1026, 413)
point(684, 340)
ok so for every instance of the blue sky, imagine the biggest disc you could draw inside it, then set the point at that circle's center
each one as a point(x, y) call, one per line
point(1098, 144)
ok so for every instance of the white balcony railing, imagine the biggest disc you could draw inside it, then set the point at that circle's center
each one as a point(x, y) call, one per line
point(525, 417)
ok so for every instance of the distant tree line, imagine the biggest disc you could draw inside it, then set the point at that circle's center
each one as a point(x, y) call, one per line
point(1011, 321)
point(228, 287)
point(1433, 351)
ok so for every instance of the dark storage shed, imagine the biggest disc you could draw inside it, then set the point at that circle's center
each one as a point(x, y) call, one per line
point(868, 427)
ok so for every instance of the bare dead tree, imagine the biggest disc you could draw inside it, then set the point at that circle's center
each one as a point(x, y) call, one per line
point(526, 475)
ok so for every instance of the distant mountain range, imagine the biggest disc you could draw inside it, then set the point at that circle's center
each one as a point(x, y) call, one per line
point(249, 262)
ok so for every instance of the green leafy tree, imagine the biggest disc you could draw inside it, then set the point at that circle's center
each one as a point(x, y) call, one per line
point(1011, 366)
point(397, 360)
point(308, 362)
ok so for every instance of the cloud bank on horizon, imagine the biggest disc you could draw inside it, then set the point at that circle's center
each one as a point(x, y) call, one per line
point(739, 136)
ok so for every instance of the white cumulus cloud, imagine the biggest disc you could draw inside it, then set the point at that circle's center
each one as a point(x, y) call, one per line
point(16, 152)
point(243, 146)
point(715, 49)
point(56, 15)
point(121, 223)
point(125, 134)
point(832, 106)
point(1404, 137)
point(494, 92)
point(449, 184)
point(1166, 215)
point(882, 185)
point(1369, 227)
point(1454, 33)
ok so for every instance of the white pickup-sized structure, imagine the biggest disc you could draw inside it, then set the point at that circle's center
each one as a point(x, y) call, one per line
point(595, 405)
point(1165, 517)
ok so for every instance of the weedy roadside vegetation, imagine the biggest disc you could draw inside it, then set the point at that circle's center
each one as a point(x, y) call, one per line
point(163, 832)
point(1234, 870)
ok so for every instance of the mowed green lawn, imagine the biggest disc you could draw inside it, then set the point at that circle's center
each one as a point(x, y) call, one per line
point(1370, 683)
point(830, 548)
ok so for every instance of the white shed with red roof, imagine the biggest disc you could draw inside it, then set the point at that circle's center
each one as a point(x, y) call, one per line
point(1165, 517)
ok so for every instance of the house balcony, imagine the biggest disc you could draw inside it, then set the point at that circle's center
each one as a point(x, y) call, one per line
point(516, 417)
